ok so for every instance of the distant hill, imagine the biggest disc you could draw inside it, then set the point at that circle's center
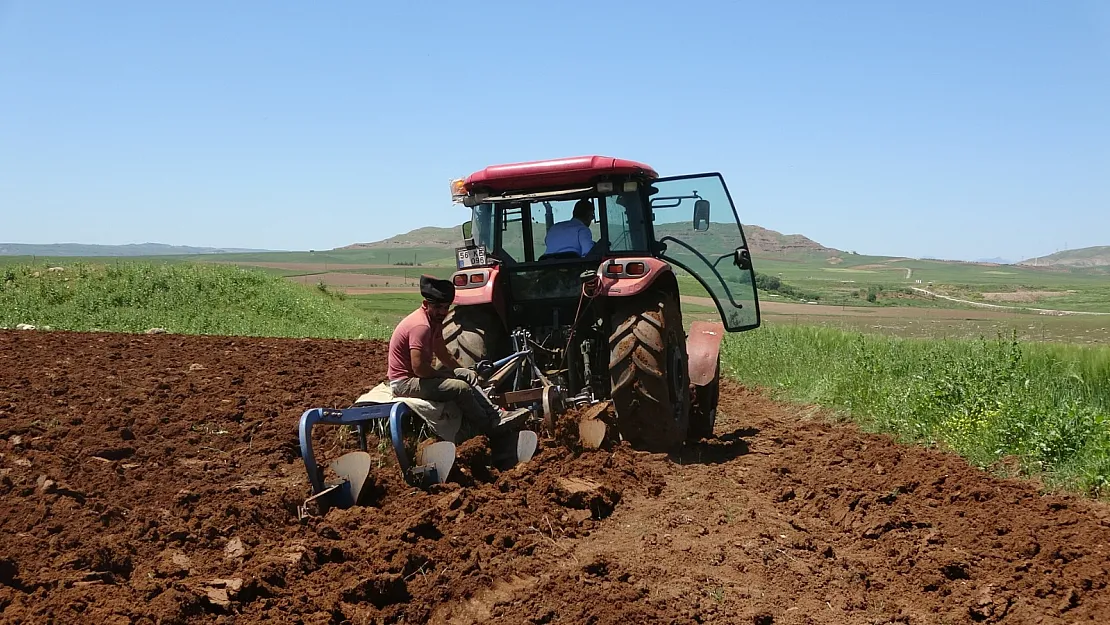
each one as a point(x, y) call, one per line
point(761, 241)
point(1098, 256)
point(131, 249)
point(421, 237)
point(765, 241)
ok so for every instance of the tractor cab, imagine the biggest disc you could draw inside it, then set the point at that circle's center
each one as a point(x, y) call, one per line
point(523, 221)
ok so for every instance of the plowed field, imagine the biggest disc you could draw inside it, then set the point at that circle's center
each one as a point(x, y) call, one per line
point(156, 479)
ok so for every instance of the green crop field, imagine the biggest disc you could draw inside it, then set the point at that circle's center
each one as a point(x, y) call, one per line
point(181, 298)
point(841, 281)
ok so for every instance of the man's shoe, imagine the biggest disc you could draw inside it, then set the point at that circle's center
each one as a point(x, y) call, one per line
point(512, 419)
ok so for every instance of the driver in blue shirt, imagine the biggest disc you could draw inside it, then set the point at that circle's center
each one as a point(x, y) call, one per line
point(573, 235)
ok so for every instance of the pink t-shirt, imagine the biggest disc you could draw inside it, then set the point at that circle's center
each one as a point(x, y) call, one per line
point(414, 332)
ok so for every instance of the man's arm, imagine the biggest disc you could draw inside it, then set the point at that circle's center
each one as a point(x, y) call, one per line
point(585, 241)
point(423, 368)
point(420, 339)
point(445, 357)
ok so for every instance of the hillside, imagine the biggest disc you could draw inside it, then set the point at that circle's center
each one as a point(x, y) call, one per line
point(1097, 256)
point(723, 237)
point(431, 236)
point(131, 249)
point(765, 241)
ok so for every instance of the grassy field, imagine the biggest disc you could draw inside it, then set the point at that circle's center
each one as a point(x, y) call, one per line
point(423, 255)
point(928, 324)
point(182, 298)
point(845, 279)
point(1000, 402)
point(1047, 406)
point(848, 278)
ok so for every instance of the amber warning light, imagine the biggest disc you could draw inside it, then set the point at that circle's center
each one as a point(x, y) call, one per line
point(458, 189)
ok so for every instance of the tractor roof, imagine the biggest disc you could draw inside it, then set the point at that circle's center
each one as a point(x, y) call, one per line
point(549, 174)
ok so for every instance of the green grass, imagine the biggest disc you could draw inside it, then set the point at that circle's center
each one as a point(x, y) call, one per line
point(54, 261)
point(389, 307)
point(182, 298)
point(1048, 405)
point(841, 282)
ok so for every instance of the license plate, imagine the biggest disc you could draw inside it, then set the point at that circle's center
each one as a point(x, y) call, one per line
point(470, 257)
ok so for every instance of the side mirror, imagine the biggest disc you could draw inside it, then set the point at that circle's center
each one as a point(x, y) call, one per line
point(743, 259)
point(701, 215)
point(467, 229)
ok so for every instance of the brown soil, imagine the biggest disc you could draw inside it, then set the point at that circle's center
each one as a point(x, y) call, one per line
point(379, 290)
point(355, 280)
point(320, 266)
point(156, 479)
point(1023, 296)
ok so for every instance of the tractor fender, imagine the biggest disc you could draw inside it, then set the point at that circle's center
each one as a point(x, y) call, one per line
point(614, 282)
point(703, 348)
point(479, 286)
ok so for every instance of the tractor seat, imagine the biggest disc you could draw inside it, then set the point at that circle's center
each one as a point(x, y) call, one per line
point(560, 256)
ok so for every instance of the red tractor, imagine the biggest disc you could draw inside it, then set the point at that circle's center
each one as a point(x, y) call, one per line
point(603, 322)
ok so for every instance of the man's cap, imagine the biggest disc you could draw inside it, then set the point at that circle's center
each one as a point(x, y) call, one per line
point(436, 290)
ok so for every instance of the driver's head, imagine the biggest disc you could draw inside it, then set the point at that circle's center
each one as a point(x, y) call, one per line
point(438, 296)
point(584, 211)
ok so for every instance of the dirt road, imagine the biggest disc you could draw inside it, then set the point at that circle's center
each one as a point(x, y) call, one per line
point(155, 479)
point(772, 307)
point(1043, 311)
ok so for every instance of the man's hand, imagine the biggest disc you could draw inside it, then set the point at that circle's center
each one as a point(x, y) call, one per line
point(468, 375)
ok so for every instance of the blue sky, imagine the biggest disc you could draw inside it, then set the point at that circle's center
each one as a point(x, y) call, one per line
point(949, 129)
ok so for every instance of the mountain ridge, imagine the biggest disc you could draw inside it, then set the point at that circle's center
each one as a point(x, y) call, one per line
point(129, 249)
point(1094, 256)
point(760, 240)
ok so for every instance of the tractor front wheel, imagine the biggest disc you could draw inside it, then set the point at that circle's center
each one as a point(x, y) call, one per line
point(648, 371)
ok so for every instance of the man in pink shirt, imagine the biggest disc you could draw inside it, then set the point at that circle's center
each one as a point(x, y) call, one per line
point(416, 340)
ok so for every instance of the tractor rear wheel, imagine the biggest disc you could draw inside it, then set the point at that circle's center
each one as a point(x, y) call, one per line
point(474, 333)
point(648, 371)
point(703, 409)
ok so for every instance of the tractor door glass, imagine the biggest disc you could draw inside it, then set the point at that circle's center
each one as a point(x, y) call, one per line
point(510, 242)
point(547, 214)
point(713, 254)
point(624, 215)
point(482, 225)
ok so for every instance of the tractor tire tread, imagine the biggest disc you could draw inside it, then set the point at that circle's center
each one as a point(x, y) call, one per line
point(647, 413)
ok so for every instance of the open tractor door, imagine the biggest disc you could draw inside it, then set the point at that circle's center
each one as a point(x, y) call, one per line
point(605, 323)
point(696, 229)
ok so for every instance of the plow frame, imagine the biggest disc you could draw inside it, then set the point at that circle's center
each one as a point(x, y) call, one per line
point(360, 417)
point(436, 461)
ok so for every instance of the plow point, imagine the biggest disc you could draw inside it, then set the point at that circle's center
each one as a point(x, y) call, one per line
point(354, 469)
point(439, 457)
